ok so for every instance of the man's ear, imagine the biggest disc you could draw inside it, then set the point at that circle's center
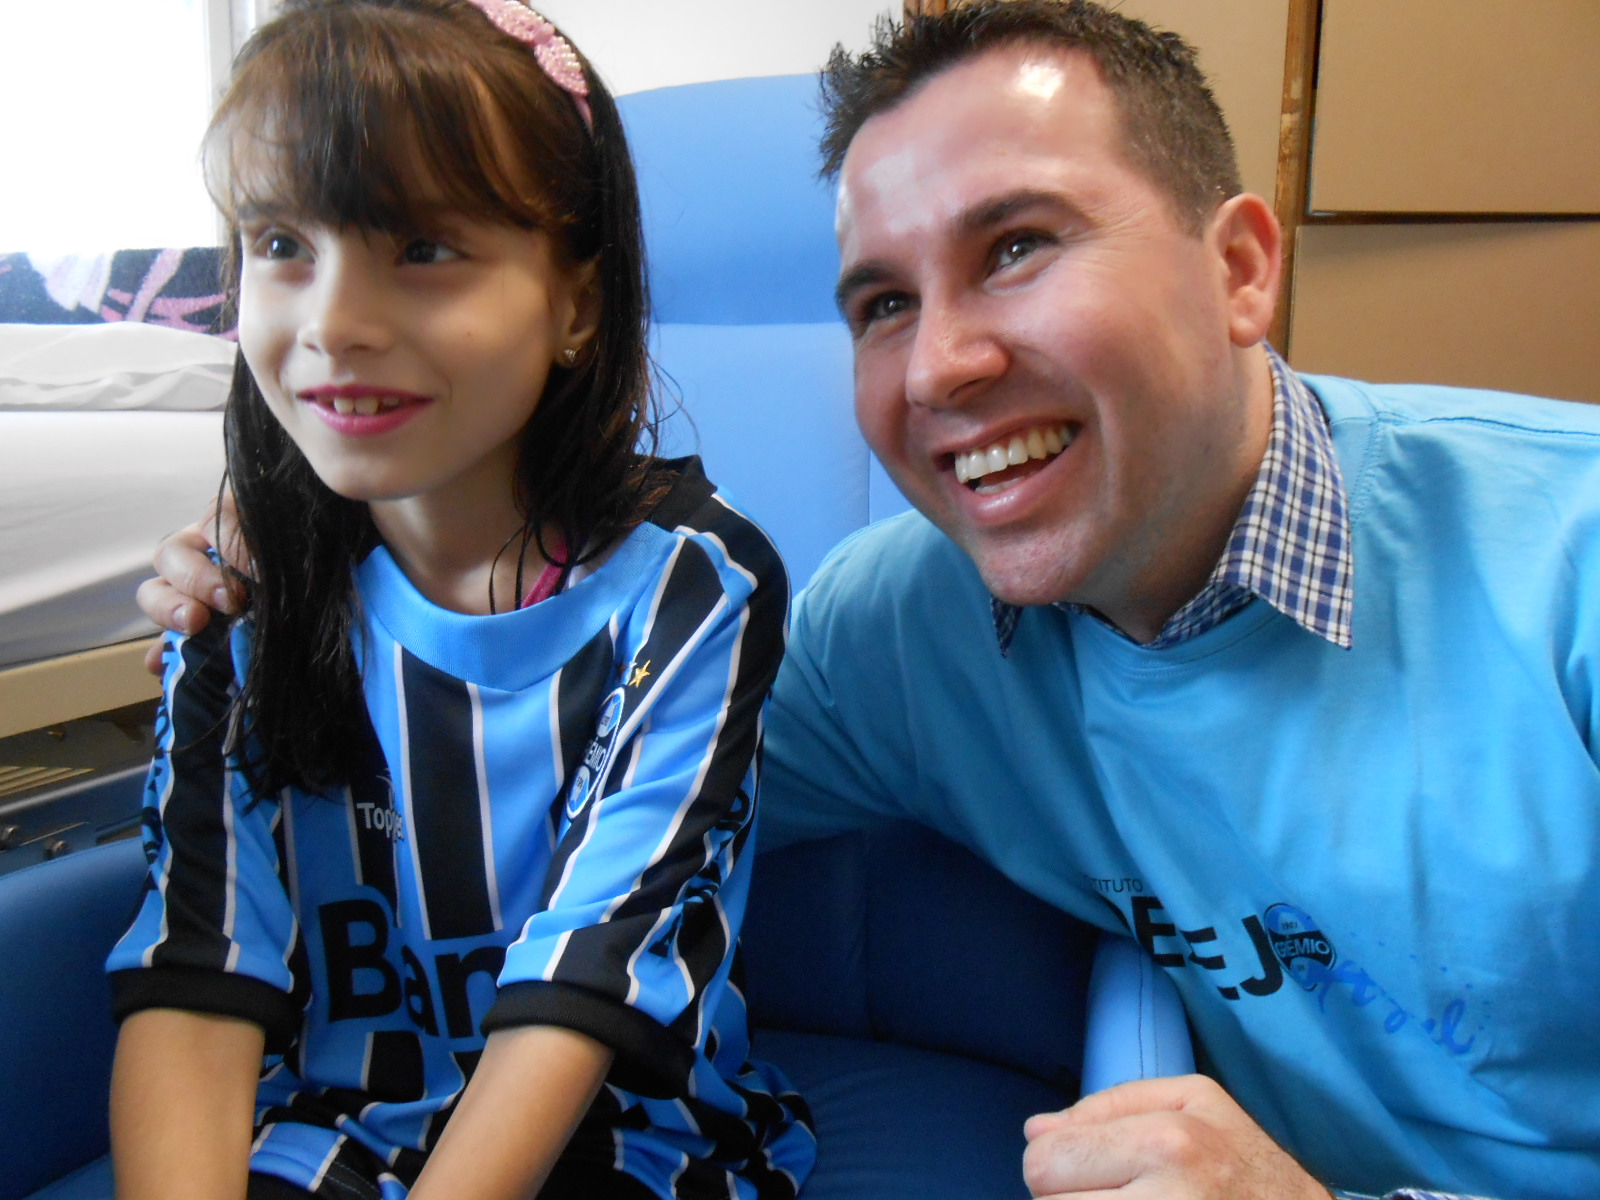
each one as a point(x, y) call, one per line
point(1247, 237)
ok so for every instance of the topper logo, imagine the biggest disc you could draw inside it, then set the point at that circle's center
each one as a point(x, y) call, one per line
point(385, 820)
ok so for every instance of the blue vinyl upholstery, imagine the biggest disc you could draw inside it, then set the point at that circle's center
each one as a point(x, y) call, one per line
point(58, 921)
point(742, 268)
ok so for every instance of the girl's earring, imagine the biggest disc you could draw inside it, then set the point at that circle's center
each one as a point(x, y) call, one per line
point(569, 357)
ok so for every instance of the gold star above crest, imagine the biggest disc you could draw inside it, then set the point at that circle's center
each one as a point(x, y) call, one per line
point(640, 674)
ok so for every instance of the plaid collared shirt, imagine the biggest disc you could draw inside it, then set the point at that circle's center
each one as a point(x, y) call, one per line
point(1291, 543)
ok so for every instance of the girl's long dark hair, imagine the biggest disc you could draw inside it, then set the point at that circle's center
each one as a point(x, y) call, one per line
point(336, 111)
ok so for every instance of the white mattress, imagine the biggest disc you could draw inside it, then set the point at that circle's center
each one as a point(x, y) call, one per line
point(84, 498)
point(106, 446)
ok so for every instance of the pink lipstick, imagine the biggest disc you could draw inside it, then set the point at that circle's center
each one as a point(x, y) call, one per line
point(362, 410)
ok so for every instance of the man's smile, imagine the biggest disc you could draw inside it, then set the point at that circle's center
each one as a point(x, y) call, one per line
point(988, 468)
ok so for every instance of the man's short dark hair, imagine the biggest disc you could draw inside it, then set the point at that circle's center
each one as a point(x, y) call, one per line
point(1173, 131)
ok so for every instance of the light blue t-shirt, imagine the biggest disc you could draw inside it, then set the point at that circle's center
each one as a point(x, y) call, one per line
point(1373, 873)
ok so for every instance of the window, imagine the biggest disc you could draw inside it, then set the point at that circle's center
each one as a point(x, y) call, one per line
point(102, 106)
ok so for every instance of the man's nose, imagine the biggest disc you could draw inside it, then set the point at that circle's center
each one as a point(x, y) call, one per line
point(953, 354)
point(346, 310)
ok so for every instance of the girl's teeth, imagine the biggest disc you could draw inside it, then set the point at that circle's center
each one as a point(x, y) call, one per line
point(365, 406)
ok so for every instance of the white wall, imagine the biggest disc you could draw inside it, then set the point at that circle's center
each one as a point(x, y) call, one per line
point(639, 44)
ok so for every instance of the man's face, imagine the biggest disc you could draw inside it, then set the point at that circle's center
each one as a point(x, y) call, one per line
point(1043, 353)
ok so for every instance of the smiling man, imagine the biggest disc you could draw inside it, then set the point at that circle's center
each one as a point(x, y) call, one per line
point(1293, 679)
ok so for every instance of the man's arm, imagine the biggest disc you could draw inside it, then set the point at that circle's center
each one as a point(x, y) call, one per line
point(183, 1092)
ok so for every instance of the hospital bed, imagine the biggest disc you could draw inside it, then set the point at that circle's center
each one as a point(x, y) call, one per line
point(110, 400)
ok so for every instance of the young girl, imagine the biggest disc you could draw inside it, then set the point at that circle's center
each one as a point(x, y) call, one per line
point(453, 825)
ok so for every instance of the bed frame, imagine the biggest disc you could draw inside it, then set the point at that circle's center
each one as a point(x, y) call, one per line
point(54, 690)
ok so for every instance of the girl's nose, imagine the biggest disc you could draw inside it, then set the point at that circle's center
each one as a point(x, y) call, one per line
point(346, 310)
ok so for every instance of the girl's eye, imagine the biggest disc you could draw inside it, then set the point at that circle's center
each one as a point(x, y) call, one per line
point(1015, 247)
point(423, 251)
point(278, 246)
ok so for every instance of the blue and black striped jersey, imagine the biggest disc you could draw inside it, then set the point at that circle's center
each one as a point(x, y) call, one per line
point(554, 828)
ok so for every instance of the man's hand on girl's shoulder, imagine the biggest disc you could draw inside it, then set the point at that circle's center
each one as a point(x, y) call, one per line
point(188, 583)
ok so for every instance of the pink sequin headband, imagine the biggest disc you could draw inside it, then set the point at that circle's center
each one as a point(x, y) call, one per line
point(556, 56)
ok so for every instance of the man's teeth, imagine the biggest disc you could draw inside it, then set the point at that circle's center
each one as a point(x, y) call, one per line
point(1038, 442)
point(365, 406)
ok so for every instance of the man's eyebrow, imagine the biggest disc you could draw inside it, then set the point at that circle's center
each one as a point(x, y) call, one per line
point(996, 210)
point(984, 215)
point(856, 278)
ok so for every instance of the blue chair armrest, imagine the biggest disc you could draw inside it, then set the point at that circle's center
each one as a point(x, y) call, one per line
point(58, 921)
point(1135, 1027)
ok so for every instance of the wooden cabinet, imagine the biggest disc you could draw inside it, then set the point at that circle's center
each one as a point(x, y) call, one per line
point(1510, 305)
point(1450, 138)
point(1458, 106)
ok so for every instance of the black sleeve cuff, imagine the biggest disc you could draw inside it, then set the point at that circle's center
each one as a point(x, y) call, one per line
point(196, 989)
point(650, 1061)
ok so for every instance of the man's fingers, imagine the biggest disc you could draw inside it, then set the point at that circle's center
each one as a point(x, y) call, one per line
point(1171, 1093)
point(170, 608)
point(153, 659)
point(1044, 1122)
point(222, 521)
point(1076, 1157)
point(182, 562)
point(1183, 1137)
point(1124, 1100)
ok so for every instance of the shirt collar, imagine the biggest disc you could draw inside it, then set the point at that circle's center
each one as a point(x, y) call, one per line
point(1291, 543)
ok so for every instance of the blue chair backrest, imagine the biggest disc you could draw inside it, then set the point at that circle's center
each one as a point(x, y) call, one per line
point(742, 269)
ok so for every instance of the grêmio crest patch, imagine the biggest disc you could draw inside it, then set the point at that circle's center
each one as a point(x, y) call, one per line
point(1300, 946)
point(598, 756)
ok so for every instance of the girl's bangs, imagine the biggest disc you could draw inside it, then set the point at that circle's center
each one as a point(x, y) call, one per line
point(354, 124)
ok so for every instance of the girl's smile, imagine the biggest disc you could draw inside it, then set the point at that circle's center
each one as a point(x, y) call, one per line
point(356, 410)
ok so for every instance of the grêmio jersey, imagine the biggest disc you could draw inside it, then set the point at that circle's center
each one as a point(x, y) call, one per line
point(553, 828)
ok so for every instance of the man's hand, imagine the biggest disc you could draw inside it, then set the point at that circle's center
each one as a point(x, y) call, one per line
point(1160, 1139)
point(188, 581)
